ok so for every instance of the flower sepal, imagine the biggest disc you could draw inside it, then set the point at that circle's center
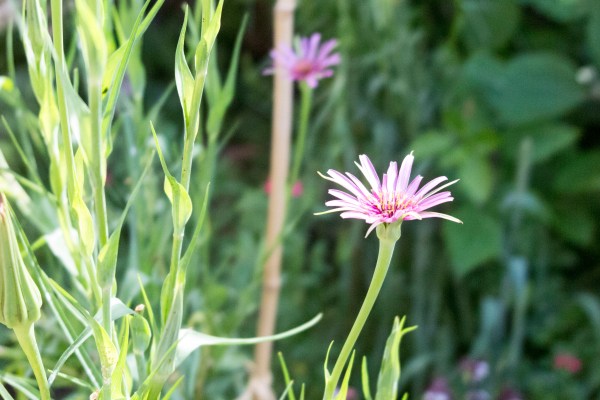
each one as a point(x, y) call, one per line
point(389, 231)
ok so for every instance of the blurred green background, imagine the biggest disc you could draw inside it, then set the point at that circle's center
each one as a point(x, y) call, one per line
point(502, 94)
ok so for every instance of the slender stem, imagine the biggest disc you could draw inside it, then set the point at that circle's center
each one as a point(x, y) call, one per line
point(386, 249)
point(26, 337)
point(95, 98)
point(280, 150)
point(305, 105)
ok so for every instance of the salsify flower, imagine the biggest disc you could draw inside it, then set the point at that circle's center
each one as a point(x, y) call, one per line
point(392, 199)
point(310, 62)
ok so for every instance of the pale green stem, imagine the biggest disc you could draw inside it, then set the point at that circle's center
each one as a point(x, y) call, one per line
point(386, 249)
point(99, 195)
point(26, 337)
point(57, 34)
point(305, 105)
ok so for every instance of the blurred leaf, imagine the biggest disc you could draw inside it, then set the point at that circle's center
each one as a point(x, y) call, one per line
point(591, 306)
point(4, 393)
point(548, 139)
point(431, 144)
point(485, 72)
point(489, 23)
point(478, 240)
point(576, 225)
point(476, 178)
point(561, 10)
point(579, 174)
point(593, 33)
point(537, 86)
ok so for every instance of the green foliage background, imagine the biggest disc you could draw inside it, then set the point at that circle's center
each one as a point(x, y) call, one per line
point(504, 95)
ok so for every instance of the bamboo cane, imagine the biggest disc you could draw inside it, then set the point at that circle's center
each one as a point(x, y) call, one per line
point(259, 387)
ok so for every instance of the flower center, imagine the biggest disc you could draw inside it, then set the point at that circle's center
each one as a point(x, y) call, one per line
point(303, 68)
point(389, 205)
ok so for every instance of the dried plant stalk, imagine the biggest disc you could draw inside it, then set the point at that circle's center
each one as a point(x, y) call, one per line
point(260, 380)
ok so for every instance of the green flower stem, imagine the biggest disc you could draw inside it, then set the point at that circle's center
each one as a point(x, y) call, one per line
point(386, 249)
point(26, 336)
point(305, 106)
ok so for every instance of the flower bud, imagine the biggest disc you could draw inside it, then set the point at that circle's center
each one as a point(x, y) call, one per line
point(20, 299)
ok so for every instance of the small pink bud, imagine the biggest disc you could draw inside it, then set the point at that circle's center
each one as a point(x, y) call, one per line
point(567, 362)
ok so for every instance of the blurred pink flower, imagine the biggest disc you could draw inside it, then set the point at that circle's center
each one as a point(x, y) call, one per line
point(474, 370)
point(508, 393)
point(438, 390)
point(297, 189)
point(351, 394)
point(309, 63)
point(389, 200)
point(567, 362)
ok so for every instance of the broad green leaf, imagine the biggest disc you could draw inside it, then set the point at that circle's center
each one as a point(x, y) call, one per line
point(537, 86)
point(432, 144)
point(478, 240)
point(190, 340)
point(476, 178)
point(489, 24)
point(548, 139)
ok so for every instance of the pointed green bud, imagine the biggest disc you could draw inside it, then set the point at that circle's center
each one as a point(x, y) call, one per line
point(20, 299)
point(140, 331)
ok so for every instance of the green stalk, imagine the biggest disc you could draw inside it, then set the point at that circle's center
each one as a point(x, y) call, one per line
point(305, 106)
point(388, 236)
point(26, 336)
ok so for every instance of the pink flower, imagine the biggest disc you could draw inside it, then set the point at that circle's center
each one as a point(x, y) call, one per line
point(567, 362)
point(474, 370)
point(297, 188)
point(309, 63)
point(438, 390)
point(389, 200)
